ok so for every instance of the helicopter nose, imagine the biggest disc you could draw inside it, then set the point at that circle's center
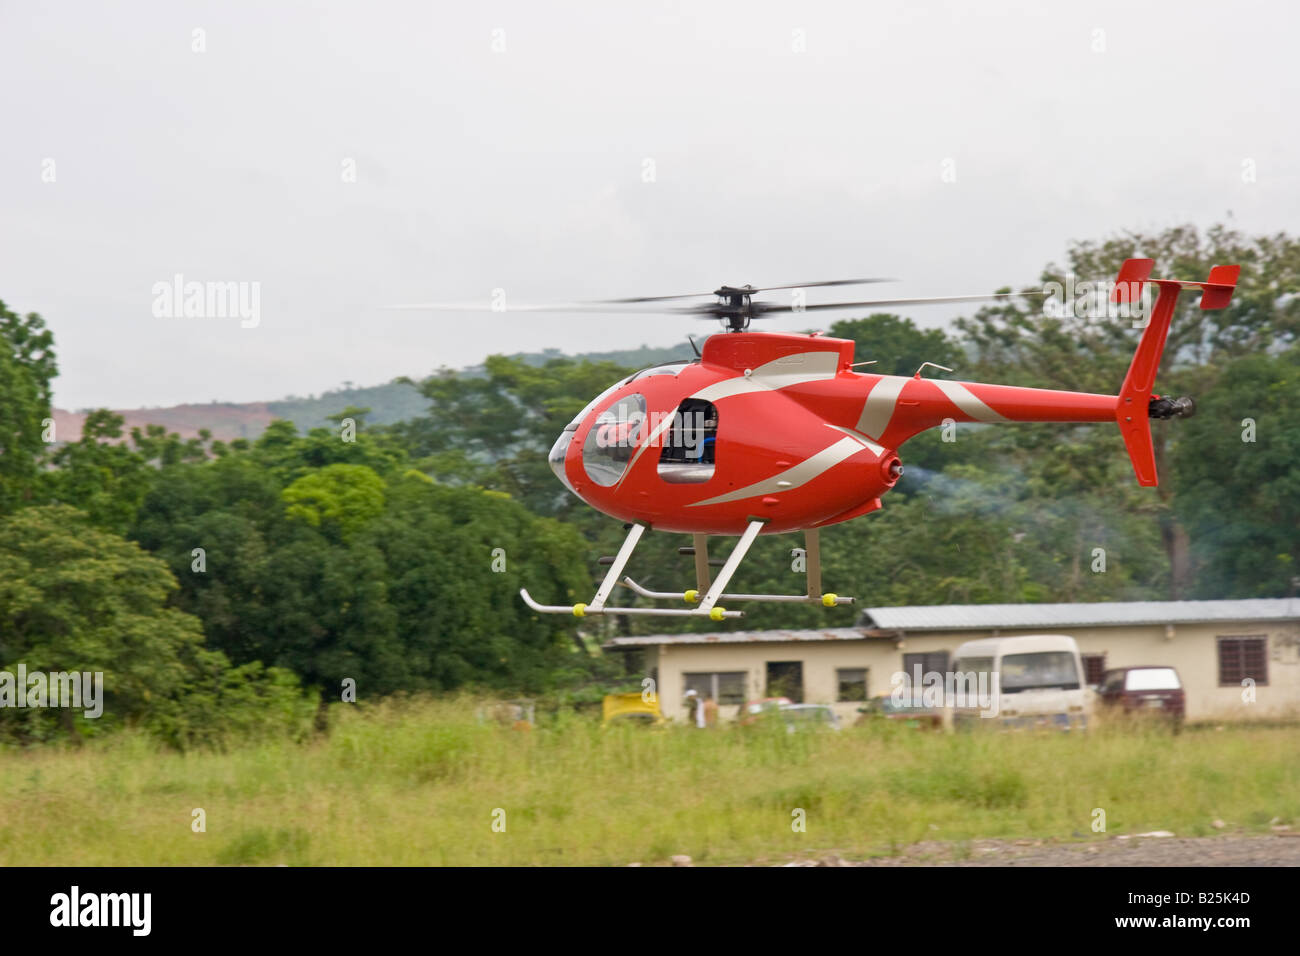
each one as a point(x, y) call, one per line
point(559, 451)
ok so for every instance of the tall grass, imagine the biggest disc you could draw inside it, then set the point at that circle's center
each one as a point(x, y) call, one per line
point(420, 783)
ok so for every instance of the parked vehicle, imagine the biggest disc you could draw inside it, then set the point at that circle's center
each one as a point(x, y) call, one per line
point(1039, 682)
point(916, 716)
point(753, 710)
point(1150, 689)
point(808, 717)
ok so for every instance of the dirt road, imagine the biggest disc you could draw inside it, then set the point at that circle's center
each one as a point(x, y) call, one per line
point(1270, 850)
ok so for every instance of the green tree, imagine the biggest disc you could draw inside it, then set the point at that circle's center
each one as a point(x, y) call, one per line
point(338, 499)
point(1238, 487)
point(27, 369)
point(269, 586)
point(457, 559)
point(342, 574)
point(214, 524)
point(100, 474)
point(290, 455)
point(76, 598)
point(897, 346)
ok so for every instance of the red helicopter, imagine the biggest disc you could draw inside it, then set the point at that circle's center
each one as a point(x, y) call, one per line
point(767, 433)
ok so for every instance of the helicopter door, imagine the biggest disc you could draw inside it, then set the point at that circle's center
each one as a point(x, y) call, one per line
point(690, 446)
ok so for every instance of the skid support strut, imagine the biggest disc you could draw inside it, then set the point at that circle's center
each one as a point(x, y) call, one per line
point(598, 606)
point(813, 564)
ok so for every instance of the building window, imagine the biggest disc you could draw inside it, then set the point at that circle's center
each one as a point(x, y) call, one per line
point(1241, 658)
point(852, 683)
point(725, 687)
point(933, 661)
point(1094, 665)
point(785, 679)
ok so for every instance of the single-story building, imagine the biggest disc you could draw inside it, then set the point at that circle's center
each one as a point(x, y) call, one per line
point(1219, 648)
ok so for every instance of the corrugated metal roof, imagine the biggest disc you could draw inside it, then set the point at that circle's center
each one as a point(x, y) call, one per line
point(976, 617)
point(742, 637)
point(970, 617)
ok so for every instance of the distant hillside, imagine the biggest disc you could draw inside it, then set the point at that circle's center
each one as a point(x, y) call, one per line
point(387, 403)
point(226, 421)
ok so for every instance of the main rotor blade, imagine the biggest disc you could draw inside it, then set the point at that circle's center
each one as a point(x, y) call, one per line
point(649, 298)
point(480, 307)
point(705, 309)
point(763, 308)
point(747, 290)
point(810, 285)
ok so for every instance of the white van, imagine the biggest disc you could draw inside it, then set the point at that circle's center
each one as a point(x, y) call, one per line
point(1039, 680)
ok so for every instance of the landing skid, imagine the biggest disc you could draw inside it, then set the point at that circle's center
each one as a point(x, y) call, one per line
point(712, 591)
point(691, 596)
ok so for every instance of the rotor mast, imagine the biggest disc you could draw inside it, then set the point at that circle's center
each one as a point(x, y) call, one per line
point(735, 307)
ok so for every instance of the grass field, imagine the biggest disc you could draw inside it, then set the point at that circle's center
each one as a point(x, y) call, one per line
point(418, 784)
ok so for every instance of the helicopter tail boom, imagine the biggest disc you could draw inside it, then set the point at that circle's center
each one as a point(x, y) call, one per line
point(897, 408)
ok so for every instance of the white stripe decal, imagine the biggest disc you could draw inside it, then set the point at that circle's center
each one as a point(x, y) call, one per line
point(879, 407)
point(963, 398)
point(863, 439)
point(779, 373)
point(800, 474)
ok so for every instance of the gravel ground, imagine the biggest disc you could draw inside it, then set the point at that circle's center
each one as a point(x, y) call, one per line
point(1279, 849)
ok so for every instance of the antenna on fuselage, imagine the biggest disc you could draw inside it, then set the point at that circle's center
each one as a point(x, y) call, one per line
point(932, 365)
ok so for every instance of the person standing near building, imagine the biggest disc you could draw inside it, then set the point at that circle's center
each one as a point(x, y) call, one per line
point(695, 708)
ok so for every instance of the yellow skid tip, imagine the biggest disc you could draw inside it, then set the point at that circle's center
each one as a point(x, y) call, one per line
point(829, 599)
point(579, 610)
point(717, 613)
point(691, 596)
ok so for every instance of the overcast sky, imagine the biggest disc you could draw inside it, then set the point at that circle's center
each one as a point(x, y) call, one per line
point(784, 142)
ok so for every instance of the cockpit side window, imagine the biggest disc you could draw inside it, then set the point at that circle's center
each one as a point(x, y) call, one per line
point(689, 452)
point(613, 439)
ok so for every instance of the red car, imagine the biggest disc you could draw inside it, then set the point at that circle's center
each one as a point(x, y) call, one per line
point(1150, 689)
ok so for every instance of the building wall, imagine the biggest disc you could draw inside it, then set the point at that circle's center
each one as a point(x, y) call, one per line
point(820, 661)
point(1192, 649)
